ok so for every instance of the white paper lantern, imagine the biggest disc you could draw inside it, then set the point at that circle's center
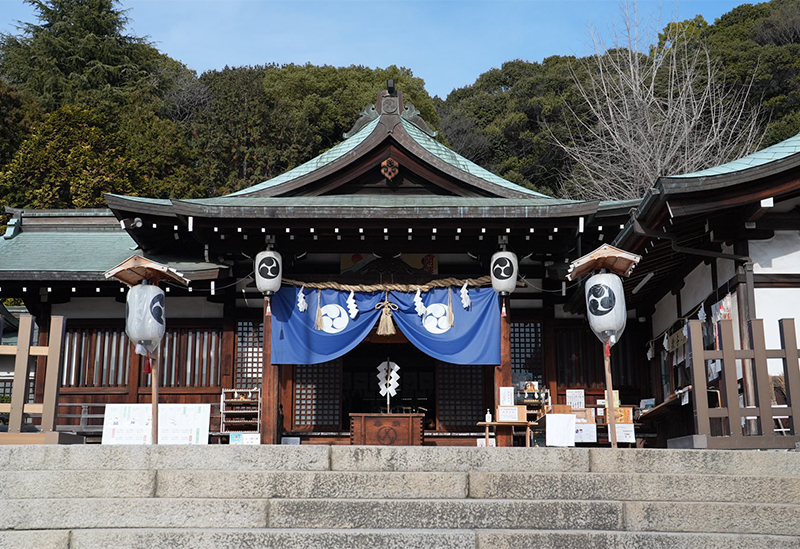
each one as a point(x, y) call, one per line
point(605, 307)
point(145, 320)
point(269, 268)
point(504, 272)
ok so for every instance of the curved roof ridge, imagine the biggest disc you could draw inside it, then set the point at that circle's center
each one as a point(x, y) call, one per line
point(328, 157)
point(459, 162)
point(773, 153)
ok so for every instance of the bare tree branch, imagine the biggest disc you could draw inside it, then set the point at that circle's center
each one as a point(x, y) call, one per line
point(654, 110)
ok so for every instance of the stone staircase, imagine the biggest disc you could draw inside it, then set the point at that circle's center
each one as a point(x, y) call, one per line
point(81, 497)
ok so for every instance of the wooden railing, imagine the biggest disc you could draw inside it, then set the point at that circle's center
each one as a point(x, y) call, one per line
point(24, 351)
point(729, 415)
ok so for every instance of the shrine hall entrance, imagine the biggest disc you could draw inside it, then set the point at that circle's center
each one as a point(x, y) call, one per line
point(416, 393)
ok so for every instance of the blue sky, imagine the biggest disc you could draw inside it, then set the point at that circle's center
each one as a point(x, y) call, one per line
point(447, 43)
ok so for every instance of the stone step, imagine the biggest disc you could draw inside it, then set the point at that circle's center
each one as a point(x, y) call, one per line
point(410, 459)
point(86, 513)
point(217, 484)
point(385, 538)
point(537, 514)
point(634, 487)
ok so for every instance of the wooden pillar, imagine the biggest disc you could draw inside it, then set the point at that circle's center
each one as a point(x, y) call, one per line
point(270, 385)
point(43, 321)
point(502, 373)
point(52, 377)
point(22, 363)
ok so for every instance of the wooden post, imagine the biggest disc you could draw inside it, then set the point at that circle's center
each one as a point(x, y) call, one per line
point(270, 384)
point(19, 389)
point(154, 393)
point(791, 372)
point(611, 410)
point(702, 421)
point(52, 378)
point(502, 373)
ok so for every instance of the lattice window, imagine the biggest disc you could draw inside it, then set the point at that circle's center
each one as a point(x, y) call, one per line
point(460, 396)
point(95, 357)
point(249, 350)
point(526, 349)
point(101, 357)
point(191, 357)
point(318, 395)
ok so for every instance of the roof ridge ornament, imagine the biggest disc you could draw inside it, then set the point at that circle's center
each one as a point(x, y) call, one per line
point(368, 114)
point(412, 114)
point(390, 102)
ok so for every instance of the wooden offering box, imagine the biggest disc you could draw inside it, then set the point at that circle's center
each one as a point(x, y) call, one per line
point(386, 429)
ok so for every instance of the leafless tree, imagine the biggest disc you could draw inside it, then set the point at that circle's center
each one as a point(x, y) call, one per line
point(652, 110)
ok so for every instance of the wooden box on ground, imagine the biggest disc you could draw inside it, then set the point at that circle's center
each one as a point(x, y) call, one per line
point(386, 429)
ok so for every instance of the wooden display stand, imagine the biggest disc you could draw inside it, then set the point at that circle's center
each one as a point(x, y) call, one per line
point(386, 429)
point(240, 411)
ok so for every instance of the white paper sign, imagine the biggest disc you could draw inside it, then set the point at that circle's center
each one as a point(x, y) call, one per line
point(481, 442)
point(245, 438)
point(183, 423)
point(560, 430)
point(576, 398)
point(507, 413)
point(585, 432)
point(625, 432)
point(127, 424)
point(506, 396)
point(177, 423)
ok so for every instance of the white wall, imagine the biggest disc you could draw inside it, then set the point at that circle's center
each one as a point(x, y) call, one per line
point(777, 255)
point(697, 287)
point(665, 314)
point(772, 305)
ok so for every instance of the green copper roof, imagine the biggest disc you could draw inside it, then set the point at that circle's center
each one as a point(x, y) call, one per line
point(776, 152)
point(458, 161)
point(65, 251)
point(314, 164)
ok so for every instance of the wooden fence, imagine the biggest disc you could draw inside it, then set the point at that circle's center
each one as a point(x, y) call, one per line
point(723, 425)
point(24, 351)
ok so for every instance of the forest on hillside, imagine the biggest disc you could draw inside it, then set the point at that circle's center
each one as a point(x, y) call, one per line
point(87, 108)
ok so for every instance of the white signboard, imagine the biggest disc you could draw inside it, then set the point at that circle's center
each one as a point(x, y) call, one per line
point(585, 432)
point(183, 423)
point(127, 424)
point(507, 413)
point(178, 423)
point(576, 398)
point(625, 433)
point(246, 438)
point(506, 396)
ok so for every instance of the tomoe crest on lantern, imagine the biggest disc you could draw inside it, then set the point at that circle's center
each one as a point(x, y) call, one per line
point(269, 268)
point(504, 272)
point(145, 320)
point(605, 306)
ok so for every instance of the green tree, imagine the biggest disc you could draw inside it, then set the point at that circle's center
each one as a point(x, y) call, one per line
point(261, 121)
point(69, 161)
point(16, 117)
point(514, 111)
point(79, 54)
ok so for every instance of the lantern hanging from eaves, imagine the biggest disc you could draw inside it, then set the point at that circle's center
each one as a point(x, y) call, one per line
point(504, 269)
point(268, 271)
